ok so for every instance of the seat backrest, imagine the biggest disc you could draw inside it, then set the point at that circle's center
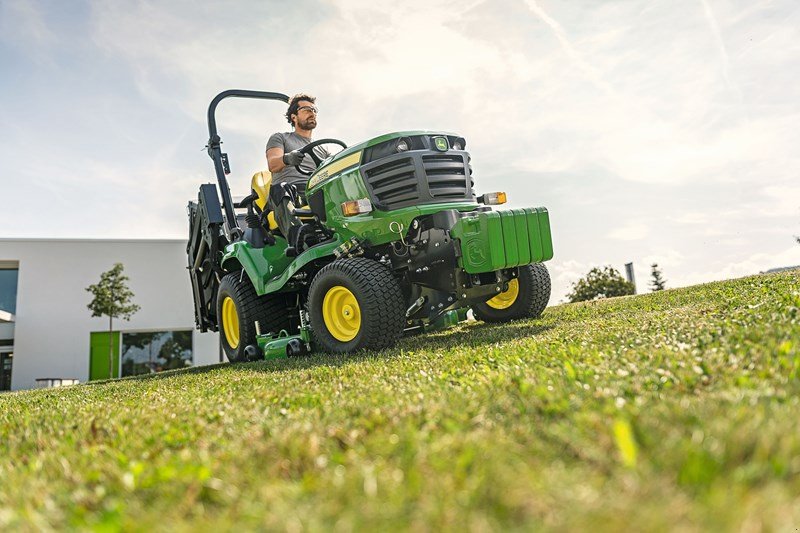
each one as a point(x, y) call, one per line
point(260, 184)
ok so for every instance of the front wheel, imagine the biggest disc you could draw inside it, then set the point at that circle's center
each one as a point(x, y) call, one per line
point(355, 304)
point(526, 297)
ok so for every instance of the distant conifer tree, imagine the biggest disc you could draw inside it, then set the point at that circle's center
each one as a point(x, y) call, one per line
point(657, 281)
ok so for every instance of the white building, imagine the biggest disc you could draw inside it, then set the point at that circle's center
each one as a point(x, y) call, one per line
point(47, 332)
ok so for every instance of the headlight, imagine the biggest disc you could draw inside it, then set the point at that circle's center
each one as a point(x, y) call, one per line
point(459, 143)
point(402, 145)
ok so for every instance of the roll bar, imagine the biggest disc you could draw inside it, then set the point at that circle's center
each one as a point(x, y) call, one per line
point(221, 165)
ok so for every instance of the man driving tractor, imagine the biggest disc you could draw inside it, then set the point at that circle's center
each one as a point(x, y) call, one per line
point(395, 239)
point(283, 158)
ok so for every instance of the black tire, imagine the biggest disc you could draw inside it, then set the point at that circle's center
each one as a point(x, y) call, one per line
point(269, 310)
point(381, 310)
point(534, 293)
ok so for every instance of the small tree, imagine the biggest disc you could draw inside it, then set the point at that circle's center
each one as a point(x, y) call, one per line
point(657, 281)
point(600, 283)
point(112, 298)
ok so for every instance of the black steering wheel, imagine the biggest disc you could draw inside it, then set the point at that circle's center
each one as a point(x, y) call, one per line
point(309, 149)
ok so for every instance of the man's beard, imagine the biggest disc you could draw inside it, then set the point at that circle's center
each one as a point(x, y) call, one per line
point(307, 124)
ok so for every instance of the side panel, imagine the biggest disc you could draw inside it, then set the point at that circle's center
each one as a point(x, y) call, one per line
point(261, 264)
point(268, 268)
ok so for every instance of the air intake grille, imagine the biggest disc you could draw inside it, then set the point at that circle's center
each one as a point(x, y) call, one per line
point(394, 181)
point(446, 175)
point(419, 177)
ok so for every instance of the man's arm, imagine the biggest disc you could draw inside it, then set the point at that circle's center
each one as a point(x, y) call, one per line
point(275, 159)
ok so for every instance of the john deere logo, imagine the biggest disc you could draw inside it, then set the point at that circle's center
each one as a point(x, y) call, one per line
point(440, 143)
point(475, 252)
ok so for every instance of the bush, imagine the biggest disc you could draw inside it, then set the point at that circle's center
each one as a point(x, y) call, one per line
point(603, 282)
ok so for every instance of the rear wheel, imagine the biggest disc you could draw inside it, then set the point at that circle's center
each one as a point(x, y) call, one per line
point(238, 308)
point(526, 297)
point(355, 304)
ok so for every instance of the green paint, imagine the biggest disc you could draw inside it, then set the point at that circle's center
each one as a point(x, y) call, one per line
point(503, 239)
point(523, 237)
point(448, 319)
point(544, 233)
point(509, 226)
point(98, 355)
point(275, 345)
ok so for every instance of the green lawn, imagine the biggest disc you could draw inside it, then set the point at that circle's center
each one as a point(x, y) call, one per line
point(675, 410)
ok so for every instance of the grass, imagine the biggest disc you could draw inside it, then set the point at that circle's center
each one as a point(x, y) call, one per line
point(668, 411)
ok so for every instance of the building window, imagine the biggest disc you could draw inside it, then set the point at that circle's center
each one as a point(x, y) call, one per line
point(8, 290)
point(150, 352)
point(6, 361)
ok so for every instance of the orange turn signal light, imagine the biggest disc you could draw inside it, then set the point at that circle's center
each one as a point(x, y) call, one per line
point(356, 207)
point(493, 198)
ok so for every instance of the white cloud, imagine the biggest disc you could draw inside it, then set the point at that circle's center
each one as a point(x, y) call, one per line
point(747, 266)
point(782, 200)
point(630, 232)
point(22, 23)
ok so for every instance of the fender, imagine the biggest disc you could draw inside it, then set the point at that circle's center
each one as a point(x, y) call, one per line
point(268, 268)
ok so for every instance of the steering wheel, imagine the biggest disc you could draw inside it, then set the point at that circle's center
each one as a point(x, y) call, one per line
point(309, 149)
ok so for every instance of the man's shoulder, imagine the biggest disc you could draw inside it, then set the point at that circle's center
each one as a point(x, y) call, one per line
point(282, 134)
point(279, 139)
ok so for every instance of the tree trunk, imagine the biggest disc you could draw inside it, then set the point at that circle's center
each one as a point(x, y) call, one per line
point(110, 347)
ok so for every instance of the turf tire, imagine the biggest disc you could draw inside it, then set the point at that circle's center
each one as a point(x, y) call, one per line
point(269, 310)
point(534, 293)
point(379, 298)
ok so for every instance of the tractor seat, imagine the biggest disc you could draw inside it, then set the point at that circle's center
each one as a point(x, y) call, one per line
point(260, 183)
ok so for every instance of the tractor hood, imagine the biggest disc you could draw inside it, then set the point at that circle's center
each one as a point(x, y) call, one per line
point(377, 147)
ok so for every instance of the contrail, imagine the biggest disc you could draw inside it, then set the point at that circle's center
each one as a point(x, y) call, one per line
point(712, 21)
point(566, 45)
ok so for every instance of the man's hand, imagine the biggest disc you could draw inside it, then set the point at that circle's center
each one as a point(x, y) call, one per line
point(293, 158)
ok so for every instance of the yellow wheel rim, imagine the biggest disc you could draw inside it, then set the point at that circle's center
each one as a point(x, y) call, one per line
point(341, 313)
point(230, 322)
point(505, 299)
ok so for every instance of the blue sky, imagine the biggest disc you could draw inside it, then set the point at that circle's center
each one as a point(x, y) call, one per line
point(660, 131)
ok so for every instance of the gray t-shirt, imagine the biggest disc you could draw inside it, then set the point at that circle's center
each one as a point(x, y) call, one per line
point(292, 141)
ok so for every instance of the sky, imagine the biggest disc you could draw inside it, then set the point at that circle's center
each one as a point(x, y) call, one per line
point(653, 131)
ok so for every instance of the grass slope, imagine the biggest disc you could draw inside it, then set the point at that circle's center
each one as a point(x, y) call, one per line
point(674, 410)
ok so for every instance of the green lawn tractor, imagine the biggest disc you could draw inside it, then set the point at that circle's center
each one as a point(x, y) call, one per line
point(394, 240)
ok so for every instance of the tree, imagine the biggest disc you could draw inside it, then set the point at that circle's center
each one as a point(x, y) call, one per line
point(657, 283)
point(173, 354)
point(112, 298)
point(603, 282)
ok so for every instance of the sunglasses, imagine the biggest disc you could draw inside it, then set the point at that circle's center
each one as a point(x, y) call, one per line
point(314, 109)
